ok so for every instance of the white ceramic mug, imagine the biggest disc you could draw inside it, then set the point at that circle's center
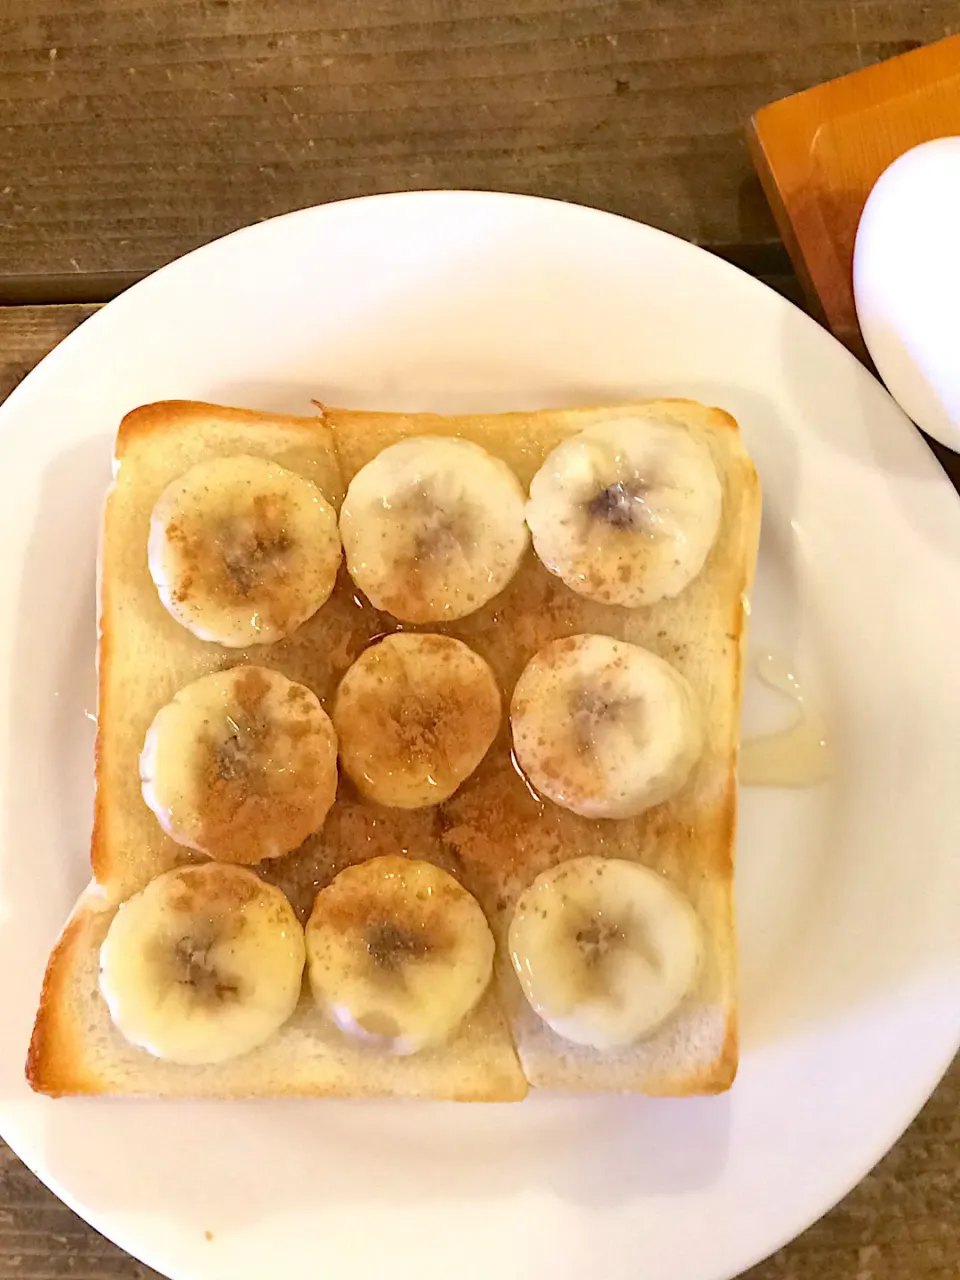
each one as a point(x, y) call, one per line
point(906, 283)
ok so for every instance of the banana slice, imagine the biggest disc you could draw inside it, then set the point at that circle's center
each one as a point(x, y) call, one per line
point(414, 716)
point(433, 528)
point(241, 765)
point(626, 512)
point(603, 727)
point(202, 965)
point(398, 953)
point(605, 950)
point(243, 551)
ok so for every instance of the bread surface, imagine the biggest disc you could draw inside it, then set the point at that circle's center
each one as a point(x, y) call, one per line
point(493, 833)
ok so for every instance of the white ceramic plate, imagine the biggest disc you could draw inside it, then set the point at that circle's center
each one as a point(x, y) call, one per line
point(849, 895)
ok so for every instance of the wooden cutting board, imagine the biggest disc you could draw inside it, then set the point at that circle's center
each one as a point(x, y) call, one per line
point(819, 153)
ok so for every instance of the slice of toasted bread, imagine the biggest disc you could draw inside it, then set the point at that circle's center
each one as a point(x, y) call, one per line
point(76, 1049)
point(493, 833)
point(144, 655)
point(500, 836)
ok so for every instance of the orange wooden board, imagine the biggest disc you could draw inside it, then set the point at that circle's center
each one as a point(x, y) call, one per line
point(819, 153)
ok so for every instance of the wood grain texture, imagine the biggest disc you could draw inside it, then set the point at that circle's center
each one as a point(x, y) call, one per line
point(819, 154)
point(133, 130)
point(901, 1223)
point(28, 333)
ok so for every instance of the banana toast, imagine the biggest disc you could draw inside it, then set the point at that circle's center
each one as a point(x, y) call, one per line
point(494, 833)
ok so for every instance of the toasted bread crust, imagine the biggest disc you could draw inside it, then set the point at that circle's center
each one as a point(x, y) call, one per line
point(152, 420)
point(55, 1058)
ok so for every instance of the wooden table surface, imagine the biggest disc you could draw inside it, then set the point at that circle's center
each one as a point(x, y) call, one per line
point(134, 130)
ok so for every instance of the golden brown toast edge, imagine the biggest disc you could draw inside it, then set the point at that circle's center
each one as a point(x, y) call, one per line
point(55, 1064)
